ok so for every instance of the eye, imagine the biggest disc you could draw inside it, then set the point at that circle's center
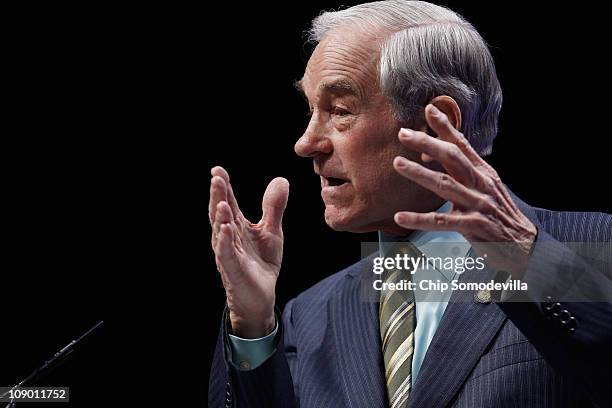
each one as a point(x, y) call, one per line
point(337, 111)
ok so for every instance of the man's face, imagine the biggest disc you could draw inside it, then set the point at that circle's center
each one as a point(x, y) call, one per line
point(352, 137)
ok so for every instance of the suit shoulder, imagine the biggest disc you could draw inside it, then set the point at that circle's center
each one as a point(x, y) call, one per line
point(573, 226)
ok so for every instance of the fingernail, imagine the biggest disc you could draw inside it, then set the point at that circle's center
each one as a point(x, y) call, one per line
point(433, 110)
point(401, 162)
point(406, 133)
point(399, 217)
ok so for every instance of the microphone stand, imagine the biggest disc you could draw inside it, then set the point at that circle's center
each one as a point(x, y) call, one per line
point(51, 363)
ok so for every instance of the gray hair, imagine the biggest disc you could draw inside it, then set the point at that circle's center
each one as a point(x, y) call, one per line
point(430, 51)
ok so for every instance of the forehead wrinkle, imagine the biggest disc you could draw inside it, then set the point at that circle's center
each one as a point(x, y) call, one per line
point(364, 54)
point(342, 60)
point(344, 79)
point(353, 58)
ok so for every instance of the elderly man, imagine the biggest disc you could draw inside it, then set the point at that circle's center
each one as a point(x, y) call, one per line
point(404, 101)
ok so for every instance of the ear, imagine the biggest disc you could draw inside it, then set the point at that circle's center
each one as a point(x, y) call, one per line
point(450, 108)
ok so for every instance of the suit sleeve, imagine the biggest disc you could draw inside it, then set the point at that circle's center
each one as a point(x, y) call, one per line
point(566, 313)
point(269, 385)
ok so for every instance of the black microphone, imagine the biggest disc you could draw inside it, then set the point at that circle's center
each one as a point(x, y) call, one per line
point(51, 363)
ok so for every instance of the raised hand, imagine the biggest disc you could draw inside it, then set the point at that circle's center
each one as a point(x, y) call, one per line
point(483, 211)
point(248, 255)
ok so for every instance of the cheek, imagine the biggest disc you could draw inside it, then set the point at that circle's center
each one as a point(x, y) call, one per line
point(374, 169)
point(368, 155)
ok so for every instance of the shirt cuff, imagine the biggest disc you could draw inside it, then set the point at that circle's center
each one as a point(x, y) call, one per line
point(248, 354)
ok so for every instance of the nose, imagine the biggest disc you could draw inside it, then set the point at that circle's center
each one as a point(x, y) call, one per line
point(313, 142)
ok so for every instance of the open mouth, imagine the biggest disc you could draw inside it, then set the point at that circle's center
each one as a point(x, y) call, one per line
point(333, 181)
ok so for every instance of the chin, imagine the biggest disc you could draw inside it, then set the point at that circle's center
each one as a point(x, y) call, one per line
point(346, 220)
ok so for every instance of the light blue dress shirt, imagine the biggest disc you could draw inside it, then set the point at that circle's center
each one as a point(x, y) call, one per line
point(429, 312)
point(250, 353)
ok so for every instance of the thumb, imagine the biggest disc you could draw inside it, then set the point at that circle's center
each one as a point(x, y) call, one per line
point(274, 203)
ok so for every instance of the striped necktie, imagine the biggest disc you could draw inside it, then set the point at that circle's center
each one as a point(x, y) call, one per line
point(397, 324)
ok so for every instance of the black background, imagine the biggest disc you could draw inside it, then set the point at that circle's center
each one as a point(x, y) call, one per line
point(62, 268)
point(215, 84)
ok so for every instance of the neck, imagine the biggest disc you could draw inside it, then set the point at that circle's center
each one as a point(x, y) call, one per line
point(390, 228)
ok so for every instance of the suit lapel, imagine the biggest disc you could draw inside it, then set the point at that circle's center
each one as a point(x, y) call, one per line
point(466, 329)
point(357, 339)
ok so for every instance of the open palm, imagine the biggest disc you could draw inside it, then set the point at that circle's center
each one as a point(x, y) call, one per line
point(248, 255)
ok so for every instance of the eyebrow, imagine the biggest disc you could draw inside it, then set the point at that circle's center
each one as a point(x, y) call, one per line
point(338, 87)
point(298, 85)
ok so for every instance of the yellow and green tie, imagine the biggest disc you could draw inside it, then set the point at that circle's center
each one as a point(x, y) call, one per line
point(397, 324)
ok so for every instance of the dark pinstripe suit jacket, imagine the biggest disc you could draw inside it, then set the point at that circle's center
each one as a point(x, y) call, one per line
point(482, 355)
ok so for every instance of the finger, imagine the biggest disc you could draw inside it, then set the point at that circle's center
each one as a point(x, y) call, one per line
point(274, 203)
point(440, 124)
point(226, 251)
point(223, 215)
point(439, 183)
point(447, 154)
point(505, 199)
point(467, 224)
point(218, 193)
point(231, 198)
